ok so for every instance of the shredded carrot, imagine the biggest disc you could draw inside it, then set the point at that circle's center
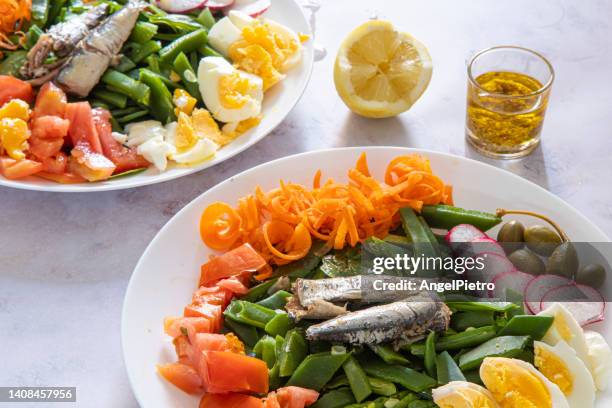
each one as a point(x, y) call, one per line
point(281, 223)
point(13, 15)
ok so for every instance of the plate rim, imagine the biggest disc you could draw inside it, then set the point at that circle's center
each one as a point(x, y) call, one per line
point(81, 187)
point(343, 150)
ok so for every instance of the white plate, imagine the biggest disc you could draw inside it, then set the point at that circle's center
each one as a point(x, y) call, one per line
point(278, 102)
point(168, 271)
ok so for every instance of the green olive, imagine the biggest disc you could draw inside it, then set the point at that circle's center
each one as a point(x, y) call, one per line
point(511, 236)
point(593, 275)
point(563, 261)
point(542, 240)
point(526, 261)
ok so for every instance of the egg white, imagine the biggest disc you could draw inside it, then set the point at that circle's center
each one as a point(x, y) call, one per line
point(600, 357)
point(454, 386)
point(583, 389)
point(223, 34)
point(210, 72)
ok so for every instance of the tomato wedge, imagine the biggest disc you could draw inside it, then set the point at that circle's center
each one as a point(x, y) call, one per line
point(82, 129)
point(182, 376)
point(20, 169)
point(296, 397)
point(124, 158)
point(49, 127)
point(232, 263)
point(234, 285)
point(51, 101)
point(13, 88)
point(230, 401)
point(173, 326)
point(224, 371)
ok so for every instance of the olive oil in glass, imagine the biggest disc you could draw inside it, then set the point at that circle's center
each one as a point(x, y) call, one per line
point(506, 106)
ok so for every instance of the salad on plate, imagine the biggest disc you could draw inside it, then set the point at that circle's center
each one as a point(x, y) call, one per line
point(292, 312)
point(94, 90)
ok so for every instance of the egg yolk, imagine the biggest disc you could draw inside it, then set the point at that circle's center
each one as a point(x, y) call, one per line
point(465, 398)
point(562, 328)
point(513, 385)
point(186, 135)
point(14, 134)
point(233, 91)
point(241, 127)
point(554, 369)
point(205, 126)
point(262, 52)
point(15, 109)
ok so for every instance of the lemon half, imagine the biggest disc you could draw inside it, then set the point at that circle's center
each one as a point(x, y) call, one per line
point(380, 72)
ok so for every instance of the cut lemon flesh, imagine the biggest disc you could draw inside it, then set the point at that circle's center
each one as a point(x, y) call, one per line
point(380, 72)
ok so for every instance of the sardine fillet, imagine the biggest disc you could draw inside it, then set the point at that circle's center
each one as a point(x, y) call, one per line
point(399, 322)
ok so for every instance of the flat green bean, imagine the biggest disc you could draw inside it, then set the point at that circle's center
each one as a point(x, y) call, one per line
point(382, 387)
point(404, 376)
point(266, 350)
point(468, 338)
point(185, 70)
point(256, 293)
point(525, 325)
point(357, 379)
point(430, 353)
point(279, 324)
point(447, 369)
point(133, 116)
point(388, 355)
point(248, 334)
point(278, 300)
point(206, 18)
point(504, 346)
point(249, 313)
point(186, 44)
point(116, 99)
point(128, 86)
point(162, 107)
point(316, 370)
point(463, 320)
point(207, 51)
point(335, 399)
point(292, 352)
point(143, 32)
point(141, 52)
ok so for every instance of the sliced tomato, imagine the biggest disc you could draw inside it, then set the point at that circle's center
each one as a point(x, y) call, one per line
point(176, 326)
point(214, 313)
point(224, 371)
point(44, 148)
point(13, 88)
point(271, 401)
point(49, 127)
point(124, 158)
point(64, 178)
point(230, 401)
point(50, 101)
point(238, 260)
point(296, 397)
point(234, 285)
point(82, 129)
point(185, 352)
point(89, 165)
point(21, 169)
point(56, 164)
point(182, 376)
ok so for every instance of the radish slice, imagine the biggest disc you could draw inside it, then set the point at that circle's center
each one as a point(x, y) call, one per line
point(538, 287)
point(494, 265)
point(464, 233)
point(487, 245)
point(253, 8)
point(219, 4)
point(181, 6)
point(515, 280)
point(586, 304)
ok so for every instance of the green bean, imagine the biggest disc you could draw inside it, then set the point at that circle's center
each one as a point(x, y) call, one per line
point(138, 54)
point(123, 112)
point(292, 353)
point(473, 376)
point(316, 370)
point(379, 248)
point(185, 70)
point(504, 346)
point(279, 324)
point(133, 116)
point(115, 125)
point(125, 64)
point(274, 377)
point(335, 399)
point(404, 376)
point(423, 246)
point(143, 32)
point(447, 369)
point(249, 313)
point(99, 104)
point(131, 88)
point(525, 325)
point(127, 173)
point(248, 334)
point(357, 379)
point(398, 240)
point(432, 238)
point(256, 293)
point(481, 306)
point(112, 98)
point(517, 299)
point(194, 60)
point(187, 43)
point(54, 11)
point(430, 353)
point(468, 338)
point(208, 51)
point(388, 355)
point(161, 106)
point(407, 401)
point(382, 387)
point(206, 18)
point(265, 349)
point(153, 63)
point(447, 217)
point(462, 320)
point(276, 301)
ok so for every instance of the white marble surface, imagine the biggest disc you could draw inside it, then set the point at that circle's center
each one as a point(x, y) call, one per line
point(65, 259)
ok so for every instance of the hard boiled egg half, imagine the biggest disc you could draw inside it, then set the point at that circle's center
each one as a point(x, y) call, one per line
point(561, 365)
point(231, 95)
point(191, 144)
point(259, 46)
point(463, 394)
point(516, 383)
point(600, 357)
